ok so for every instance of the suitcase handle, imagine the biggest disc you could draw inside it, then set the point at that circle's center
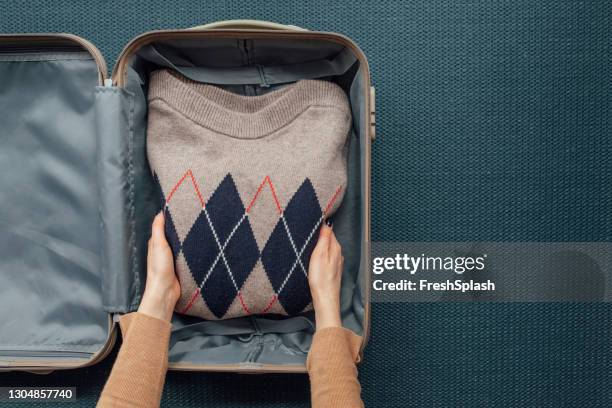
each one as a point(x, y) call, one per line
point(248, 25)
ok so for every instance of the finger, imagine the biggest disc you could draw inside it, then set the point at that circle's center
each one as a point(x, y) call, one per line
point(324, 237)
point(334, 245)
point(157, 229)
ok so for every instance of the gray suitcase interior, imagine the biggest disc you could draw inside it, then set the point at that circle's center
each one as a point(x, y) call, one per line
point(78, 199)
point(51, 297)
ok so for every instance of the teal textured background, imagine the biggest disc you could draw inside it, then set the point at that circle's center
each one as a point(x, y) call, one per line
point(494, 124)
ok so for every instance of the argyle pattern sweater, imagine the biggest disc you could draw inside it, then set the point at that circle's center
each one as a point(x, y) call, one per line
point(245, 182)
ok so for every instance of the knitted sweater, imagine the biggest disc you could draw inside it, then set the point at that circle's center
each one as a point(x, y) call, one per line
point(246, 183)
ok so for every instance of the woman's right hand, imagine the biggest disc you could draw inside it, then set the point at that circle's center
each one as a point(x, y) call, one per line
point(324, 278)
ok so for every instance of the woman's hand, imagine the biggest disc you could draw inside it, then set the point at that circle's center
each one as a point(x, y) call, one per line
point(162, 288)
point(324, 277)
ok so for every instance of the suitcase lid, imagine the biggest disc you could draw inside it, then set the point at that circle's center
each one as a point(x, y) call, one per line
point(49, 217)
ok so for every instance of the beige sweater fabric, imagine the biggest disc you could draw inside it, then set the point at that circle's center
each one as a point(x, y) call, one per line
point(138, 375)
point(246, 183)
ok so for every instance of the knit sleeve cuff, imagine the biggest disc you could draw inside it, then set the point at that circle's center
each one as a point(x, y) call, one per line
point(329, 339)
point(125, 321)
point(155, 324)
point(137, 377)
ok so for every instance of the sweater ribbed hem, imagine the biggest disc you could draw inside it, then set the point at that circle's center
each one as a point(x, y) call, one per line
point(245, 117)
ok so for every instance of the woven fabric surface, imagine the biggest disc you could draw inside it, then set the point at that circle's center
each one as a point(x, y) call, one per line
point(494, 124)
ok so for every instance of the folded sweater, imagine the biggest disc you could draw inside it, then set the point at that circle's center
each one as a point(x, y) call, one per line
point(246, 182)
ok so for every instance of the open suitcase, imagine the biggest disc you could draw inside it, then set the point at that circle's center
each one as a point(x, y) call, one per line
point(78, 196)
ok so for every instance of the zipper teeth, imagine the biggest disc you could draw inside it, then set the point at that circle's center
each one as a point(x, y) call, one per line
point(44, 353)
point(38, 51)
point(88, 46)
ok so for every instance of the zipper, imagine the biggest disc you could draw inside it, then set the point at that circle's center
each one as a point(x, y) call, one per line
point(48, 39)
point(39, 51)
point(45, 353)
point(246, 49)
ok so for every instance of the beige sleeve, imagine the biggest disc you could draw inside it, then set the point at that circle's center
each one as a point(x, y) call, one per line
point(331, 367)
point(138, 375)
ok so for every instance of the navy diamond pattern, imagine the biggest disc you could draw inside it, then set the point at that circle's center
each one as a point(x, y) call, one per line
point(219, 290)
point(279, 257)
point(225, 208)
point(223, 223)
point(201, 250)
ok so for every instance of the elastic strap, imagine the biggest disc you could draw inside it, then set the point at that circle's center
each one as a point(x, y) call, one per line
point(256, 74)
point(242, 327)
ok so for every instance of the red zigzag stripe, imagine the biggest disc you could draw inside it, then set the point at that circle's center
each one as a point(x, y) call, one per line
point(267, 180)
